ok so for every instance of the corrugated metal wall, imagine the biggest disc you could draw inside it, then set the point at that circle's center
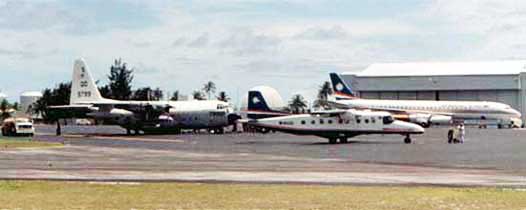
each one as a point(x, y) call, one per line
point(508, 89)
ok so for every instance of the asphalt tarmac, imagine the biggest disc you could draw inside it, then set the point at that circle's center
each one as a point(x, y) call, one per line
point(489, 157)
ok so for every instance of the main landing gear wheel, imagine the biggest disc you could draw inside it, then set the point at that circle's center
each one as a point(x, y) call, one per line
point(343, 140)
point(407, 139)
point(332, 140)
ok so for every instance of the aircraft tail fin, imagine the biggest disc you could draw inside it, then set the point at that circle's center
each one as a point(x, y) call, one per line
point(83, 87)
point(342, 91)
point(258, 107)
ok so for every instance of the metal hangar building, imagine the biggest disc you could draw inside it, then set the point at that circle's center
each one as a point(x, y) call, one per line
point(499, 81)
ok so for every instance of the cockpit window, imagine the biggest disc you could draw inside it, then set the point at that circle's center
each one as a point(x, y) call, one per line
point(388, 120)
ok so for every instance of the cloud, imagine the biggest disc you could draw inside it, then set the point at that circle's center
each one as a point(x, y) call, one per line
point(179, 42)
point(290, 44)
point(201, 41)
point(24, 15)
point(245, 42)
point(498, 25)
point(318, 33)
point(77, 17)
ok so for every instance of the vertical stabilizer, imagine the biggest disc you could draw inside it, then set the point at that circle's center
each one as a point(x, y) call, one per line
point(341, 89)
point(83, 87)
point(259, 108)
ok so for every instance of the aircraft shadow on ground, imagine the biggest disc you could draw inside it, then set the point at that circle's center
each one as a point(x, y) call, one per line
point(317, 143)
point(354, 143)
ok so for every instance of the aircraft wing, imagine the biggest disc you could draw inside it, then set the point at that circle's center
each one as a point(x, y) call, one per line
point(391, 110)
point(80, 106)
point(333, 112)
point(129, 103)
point(71, 111)
point(407, 111)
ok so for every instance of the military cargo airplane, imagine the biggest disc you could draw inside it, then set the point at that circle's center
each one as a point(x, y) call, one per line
point(146, 116)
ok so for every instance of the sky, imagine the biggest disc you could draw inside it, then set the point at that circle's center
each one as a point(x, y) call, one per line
point(290, 45)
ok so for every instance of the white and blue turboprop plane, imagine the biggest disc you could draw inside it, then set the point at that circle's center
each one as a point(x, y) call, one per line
point(334, 125)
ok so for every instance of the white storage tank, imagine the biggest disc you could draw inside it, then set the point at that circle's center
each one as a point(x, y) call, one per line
point(2, 96)
point(27, 99)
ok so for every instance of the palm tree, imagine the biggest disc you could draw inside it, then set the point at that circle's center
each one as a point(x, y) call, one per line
point(223, 96)
point(40, 107)
point(297, 104)
point(325, 89)
point(4, 109)
point(323, 95)
point(209, 88)
point(198, 95)
point(175, 96)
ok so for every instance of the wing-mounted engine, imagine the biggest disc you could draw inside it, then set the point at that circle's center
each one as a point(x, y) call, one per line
point(440, 119)
point(426, 120)
point(111, 113)
point(420, 119)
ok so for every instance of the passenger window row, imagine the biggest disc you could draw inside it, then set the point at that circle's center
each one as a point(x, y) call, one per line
point(358, 119)
point(330, 121)
point(454, 107)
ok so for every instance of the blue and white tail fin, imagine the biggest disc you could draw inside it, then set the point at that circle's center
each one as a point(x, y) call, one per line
point(341, 90)
point(258, 107)
point(83, 87)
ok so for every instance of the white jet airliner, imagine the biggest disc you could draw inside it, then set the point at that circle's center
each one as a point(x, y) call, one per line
point(426, 113)
point(146, 116)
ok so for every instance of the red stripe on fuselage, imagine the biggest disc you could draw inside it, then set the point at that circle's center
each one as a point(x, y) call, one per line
point(345, 95)
point(268, 112)
point(384, 130)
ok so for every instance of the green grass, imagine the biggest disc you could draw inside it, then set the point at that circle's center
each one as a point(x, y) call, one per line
point(76, 195)
point(23, 142)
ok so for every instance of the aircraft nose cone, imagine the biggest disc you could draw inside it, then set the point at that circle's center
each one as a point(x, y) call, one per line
point(409, 127)
point(418, 129)
point(516, 113)
point(414, 128)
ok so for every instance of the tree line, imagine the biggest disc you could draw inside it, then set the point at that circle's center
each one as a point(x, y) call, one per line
point(6, 108)
point(298, 104)
point(119, 87)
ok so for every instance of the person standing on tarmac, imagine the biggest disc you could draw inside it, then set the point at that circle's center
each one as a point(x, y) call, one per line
point(451, 134)
point(461, 133)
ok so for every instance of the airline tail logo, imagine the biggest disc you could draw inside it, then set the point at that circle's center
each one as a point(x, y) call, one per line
point(257, 102)
point(341, 90)
point(258, 107)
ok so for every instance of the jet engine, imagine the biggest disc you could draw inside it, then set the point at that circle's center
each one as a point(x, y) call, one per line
point(426, 120)
point(440, 119)
point(420, 119)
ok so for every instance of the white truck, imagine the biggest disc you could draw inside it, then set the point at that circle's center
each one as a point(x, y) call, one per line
point(17, 127)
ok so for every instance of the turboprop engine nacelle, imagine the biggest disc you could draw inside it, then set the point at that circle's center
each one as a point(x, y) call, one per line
point(112, 113)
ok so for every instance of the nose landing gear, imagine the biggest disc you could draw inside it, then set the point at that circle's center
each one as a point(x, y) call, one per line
point(407, 139)
point(342, 140)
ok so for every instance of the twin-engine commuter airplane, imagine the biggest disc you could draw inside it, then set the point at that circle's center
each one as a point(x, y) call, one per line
point(426, 113)
point(332, 124)
point(146, 116)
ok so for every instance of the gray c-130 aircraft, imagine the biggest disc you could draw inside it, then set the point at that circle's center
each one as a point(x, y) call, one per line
point(146, 116)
